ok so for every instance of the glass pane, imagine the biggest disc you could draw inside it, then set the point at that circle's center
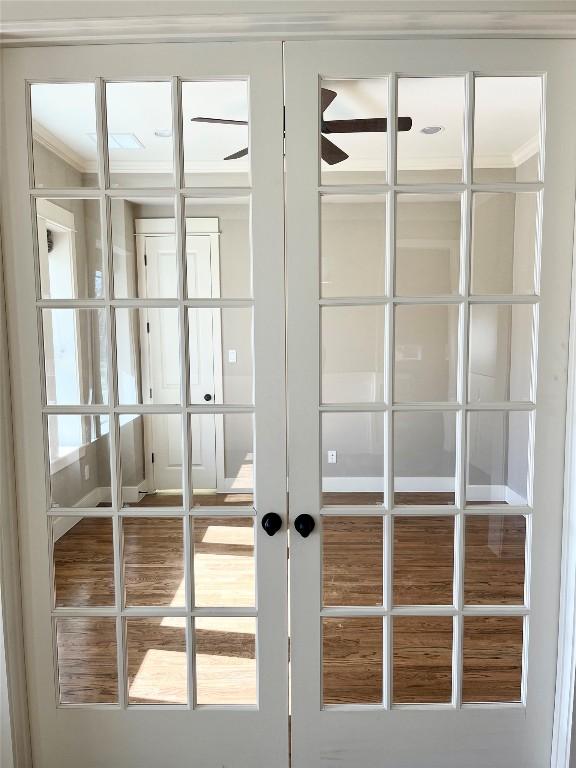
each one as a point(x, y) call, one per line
point(422, 659)
point(69, 249)
point(219, 251)
point(148, 356)
point(157, 667)
point(75, 356)
point(498, 457)
point(83, 562)
point(431, 150)
point(494, 560)
point(151, 459)
point(64, 141)
point(87, 660)
point(153, 561)
point(504, 242)
point(492, 658)
point(215, 117)
point(507, 120)
point(352, 354)
point(352, 550)
point(79, 454)
point(353, 131)
point(140, 148)
point(225, 660)
point(145, 261)
point(426, 353)
point(353, 245)
point(424, 457)
point(352, 660)
point(352, 458)
point(222, 442)
point(221, 361)
point(224, 561)
point(427, 244)
point(500, 352)
point(423, 560)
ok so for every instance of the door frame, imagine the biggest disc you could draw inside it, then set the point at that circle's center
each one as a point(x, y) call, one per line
point(539, 21)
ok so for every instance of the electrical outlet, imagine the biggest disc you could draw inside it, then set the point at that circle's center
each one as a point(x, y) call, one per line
point(231, 355)
point(331, 457)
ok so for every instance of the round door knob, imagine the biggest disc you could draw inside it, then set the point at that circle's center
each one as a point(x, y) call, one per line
point(304, 524)
point(271, 522)
point(207, 397)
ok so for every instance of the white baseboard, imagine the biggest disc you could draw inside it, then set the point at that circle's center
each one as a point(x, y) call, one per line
point(93, 498)
point(230, 485)
point(133, 493)
point(422, 484)
point(62, 525)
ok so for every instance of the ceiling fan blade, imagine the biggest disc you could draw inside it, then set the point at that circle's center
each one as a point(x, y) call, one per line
point(331, 153)
point(220, 120)
point(236, 155)
point(327, 96)
point(364, 125)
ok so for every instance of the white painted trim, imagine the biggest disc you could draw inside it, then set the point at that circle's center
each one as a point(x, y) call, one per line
point(62, 525)
point(310, 20)
point(422, 484)
point(133, 493)
point(563, 754)
point(194, 226)
point(53, 144)
point(10, 565)
point(230, 485)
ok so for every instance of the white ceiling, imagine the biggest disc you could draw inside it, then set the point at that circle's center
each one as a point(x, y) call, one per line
point(506, 122)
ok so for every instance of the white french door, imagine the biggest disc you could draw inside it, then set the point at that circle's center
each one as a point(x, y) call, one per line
point(156, 623)
point(428, 290)
point(429, 222)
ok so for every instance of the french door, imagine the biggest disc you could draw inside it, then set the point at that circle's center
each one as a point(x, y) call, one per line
point(427, 195)
point(155, 604)
point(428, 309)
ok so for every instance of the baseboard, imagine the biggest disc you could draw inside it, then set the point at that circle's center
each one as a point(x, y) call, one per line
point(422, 485)
point(133, 493)
point(93, 498)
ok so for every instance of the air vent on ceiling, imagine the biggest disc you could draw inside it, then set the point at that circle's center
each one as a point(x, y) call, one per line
point(120, 141)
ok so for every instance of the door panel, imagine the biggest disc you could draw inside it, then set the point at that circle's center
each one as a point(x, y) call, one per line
point(429, 270)
point(130, 659)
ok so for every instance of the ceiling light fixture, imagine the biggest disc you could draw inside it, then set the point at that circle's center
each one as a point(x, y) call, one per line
point(430, 130)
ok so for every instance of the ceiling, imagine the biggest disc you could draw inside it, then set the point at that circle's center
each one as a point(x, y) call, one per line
point(506, 123)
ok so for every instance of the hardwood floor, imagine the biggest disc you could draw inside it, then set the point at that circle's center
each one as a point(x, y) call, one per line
point(223, 557)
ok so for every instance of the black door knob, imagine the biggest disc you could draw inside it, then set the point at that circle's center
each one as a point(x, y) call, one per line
point(304, 524)
point(271, 522)
point(207, 398)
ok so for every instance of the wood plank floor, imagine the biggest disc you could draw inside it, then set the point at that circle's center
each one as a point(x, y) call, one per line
point(153, 574)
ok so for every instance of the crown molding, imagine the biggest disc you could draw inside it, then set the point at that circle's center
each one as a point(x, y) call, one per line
point(541, 20)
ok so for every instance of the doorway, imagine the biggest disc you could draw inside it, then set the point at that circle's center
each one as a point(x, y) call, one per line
point(426, 312)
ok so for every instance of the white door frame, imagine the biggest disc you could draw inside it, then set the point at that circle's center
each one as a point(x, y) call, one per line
point(87, 25)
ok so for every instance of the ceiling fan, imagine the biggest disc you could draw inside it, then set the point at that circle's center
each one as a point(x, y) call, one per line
point(331, 154)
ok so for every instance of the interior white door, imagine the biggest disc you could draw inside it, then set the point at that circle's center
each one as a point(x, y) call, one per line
point(167, 644)
point(431, 266)
point(163, 444)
